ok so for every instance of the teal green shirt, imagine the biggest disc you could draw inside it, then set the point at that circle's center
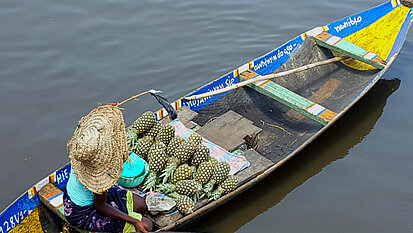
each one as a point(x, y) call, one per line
point(77, 192)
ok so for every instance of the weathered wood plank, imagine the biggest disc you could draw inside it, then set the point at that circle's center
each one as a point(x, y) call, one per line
point(302, 105)
point(319, 96)
point(185, 115)
point(258, 164)
point(349, 49)
point(229, 130)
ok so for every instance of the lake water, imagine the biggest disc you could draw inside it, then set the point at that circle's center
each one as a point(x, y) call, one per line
point(60, 59)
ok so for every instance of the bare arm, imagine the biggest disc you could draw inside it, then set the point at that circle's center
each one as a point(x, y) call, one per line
point(110, 211)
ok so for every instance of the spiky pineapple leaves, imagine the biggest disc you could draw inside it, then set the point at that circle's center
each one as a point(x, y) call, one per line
point(220, 173)
point(156, 160)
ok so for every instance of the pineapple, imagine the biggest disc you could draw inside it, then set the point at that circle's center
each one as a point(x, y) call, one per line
point(204, 172)
point(187, 187)
point(182, 153)
point(144, 122)
point(166, 133)
point(142, 147)
point(220, 173)
point(182, 187)
point(156, 160)
point(154, 130)
point(173, 144)
point(183, 172)
point(158, 145)
point(201, 154)
point(213, 160)
point(185, 204)
point(225, 187)
point(202, 175)
point(196, 138)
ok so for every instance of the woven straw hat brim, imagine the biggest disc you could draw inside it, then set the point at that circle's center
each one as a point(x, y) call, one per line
point(98, 147)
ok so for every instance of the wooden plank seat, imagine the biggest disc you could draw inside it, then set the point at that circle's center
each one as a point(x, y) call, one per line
point(52, 197)
point(302, 105)
point(230, 130)
point(337, 44)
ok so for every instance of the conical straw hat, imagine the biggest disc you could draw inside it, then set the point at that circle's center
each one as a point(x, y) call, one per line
point(98, 148)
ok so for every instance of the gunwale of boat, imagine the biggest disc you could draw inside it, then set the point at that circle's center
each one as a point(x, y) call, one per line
point(279, 162)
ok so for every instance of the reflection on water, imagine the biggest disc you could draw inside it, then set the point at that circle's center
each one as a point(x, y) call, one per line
point(59, 59)
point(319, 154)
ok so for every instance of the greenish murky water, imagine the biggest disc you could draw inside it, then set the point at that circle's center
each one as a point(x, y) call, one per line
point(60, 59)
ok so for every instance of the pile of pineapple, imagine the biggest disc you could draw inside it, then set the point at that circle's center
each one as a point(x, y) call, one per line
point(182, 169)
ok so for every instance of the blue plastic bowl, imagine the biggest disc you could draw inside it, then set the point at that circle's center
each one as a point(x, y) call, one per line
point(134, 171)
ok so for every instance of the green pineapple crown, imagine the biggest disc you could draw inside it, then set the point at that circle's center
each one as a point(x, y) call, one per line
point(168, 172)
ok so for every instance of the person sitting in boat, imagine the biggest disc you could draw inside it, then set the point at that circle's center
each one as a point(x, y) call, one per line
point(97, 151)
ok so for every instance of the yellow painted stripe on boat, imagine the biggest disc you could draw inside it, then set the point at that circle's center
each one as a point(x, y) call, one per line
point(236, 73)
point(328, 115)
point(52, 178)
point(30, 223)
point(384, 33)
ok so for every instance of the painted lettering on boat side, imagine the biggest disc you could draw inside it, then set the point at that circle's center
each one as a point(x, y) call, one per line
point(348, 23)
point(13, 221)
point(228, 82)
point(62, 175)
point(277, 55)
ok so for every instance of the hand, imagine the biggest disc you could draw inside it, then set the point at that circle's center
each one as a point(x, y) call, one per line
point(139, 226)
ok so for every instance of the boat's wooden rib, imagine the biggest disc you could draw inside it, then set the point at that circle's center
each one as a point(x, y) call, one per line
point(380, 30)
point(300, 104)
point(325, 91)
point(349, 49)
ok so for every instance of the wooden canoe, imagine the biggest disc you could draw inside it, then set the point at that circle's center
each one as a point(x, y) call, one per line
point(273, 119)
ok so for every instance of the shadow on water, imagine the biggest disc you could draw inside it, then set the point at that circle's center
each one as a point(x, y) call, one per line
point(352, 128)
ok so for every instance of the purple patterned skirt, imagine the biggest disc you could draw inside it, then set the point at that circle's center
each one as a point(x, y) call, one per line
point(88, 218)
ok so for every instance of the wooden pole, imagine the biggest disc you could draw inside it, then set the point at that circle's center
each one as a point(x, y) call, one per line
point(265, 77)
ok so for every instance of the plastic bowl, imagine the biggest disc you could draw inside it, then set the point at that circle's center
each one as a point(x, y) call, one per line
point(131, 182)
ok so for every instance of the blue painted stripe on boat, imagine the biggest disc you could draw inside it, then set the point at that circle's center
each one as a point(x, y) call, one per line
point(255, 76)
point(55, 196)
point(265, 64)
point(344, 27)
point(222, 82)
point(20, 209)
point(321, 112)
point(402, 34)
point(401, 37)
point(273, 60)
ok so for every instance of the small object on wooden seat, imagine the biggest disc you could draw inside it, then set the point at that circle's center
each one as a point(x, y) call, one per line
point(302, 105)
point(229, 130)
point(349, 49)
point(52, 197)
